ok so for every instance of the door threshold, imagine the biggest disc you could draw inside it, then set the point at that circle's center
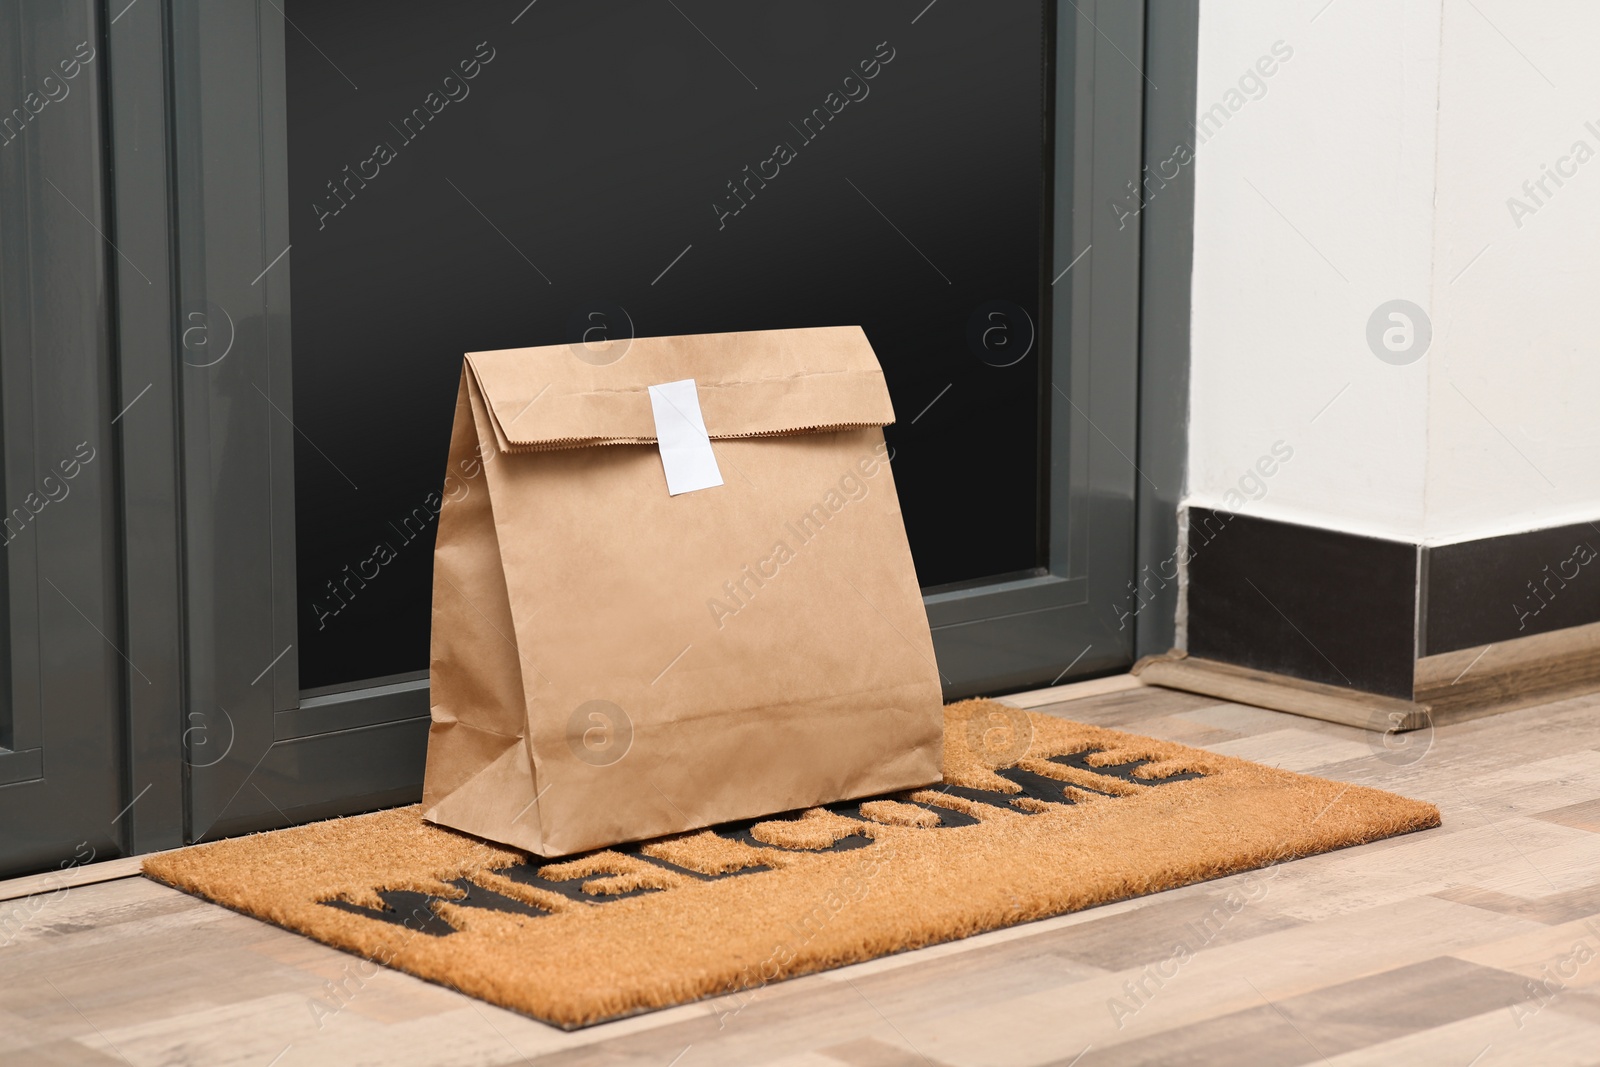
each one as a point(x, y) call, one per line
point(1056, 694)
point(71, 877)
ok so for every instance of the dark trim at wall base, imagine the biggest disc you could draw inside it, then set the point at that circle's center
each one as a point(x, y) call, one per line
point(1465, 629)
point(1309, 603)
point(1512, 586)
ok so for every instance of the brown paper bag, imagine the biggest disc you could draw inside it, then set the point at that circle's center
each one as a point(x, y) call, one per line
point(611, 663)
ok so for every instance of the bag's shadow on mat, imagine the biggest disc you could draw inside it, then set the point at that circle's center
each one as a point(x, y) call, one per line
point(1085, 816)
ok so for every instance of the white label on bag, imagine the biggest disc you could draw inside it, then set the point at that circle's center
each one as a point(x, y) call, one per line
point(681, 432)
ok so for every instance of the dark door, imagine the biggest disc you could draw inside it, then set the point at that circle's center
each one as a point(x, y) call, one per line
point(643, 168)
point(64, 796)
point(359, 193)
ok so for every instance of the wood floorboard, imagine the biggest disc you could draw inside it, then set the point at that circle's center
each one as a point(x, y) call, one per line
point(1475, 943)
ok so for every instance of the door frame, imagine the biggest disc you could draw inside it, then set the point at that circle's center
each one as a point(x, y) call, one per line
point(1171, 60)
point(65, 774)
point(198, 144)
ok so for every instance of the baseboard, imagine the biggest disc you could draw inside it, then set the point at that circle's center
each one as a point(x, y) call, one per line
point(1499, 589)
point(1302, 601)
point(1291, 616)
point(1281, 692)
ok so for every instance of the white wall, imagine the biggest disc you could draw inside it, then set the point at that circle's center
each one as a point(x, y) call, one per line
point(1373, 165)
point(1514, 378)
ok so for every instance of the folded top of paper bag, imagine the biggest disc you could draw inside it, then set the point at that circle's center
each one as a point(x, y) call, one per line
point(750, 384)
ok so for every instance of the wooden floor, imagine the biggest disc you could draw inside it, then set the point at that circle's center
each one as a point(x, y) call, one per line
point(1471, 945)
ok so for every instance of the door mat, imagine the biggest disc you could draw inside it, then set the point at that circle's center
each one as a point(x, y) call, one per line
point(1037, 816)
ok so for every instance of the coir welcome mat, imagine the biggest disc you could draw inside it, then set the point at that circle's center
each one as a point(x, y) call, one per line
point(1037, 816)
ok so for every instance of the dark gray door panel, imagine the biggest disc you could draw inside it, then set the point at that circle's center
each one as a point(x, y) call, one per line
point(255, 751)
point(64, 797)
